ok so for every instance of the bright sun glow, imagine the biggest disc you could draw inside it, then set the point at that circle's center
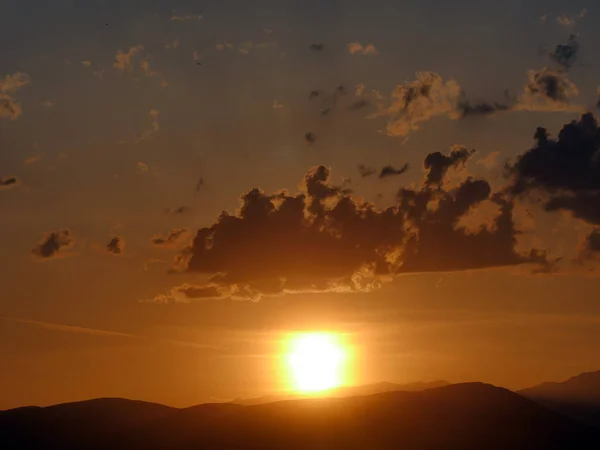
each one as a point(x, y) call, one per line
point(316, 362)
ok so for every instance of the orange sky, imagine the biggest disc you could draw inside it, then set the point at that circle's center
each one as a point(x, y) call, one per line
point(340, 168)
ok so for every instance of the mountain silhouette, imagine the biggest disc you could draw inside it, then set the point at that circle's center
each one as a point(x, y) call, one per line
point(467, 416)
point(577, 397)
point(346, 391)
point(30, 427)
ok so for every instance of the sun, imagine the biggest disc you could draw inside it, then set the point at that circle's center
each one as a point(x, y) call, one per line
point(316, 362)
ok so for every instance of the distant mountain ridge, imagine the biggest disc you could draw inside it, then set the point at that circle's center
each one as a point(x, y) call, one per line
point(578, 397)
point(465, 416)
point(346, 391)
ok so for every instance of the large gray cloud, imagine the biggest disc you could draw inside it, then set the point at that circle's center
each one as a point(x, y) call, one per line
point(322, 239)
point(566, 169)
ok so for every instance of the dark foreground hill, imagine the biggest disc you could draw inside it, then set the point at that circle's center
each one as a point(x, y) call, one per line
point(577, 397)
point(470, 416)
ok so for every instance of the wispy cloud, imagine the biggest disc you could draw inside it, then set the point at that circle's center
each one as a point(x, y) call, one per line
point(570, 21)
point(103, 333)
point(141, 167)
point(134, 62)
point(155, 127)
point(124, 60)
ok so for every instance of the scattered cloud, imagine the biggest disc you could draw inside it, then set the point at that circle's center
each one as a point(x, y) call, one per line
point(428, 96)
point(141, 167)
point(365, 171)
point(125, 61)
point(86, 63)
point(357, 48)
point(8, 182)
point(277, 105)
point(174, 240)
point(570, 21)
point(359, 90)
point(390, 171)
point(32, 159)
point(134, 62)
point(172, 45)
point(116, 245)
point(565, 55)
point(9, 106)
point(415, 102)
point(155, 127)
point(565, 21)
point(224, 46)
point(548, 91)
point(54, 245)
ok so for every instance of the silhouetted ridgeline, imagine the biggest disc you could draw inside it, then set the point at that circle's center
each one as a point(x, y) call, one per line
point(578, 397)
point(468, 416)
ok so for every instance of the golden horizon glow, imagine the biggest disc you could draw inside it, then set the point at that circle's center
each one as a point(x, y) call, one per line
point(316, 361)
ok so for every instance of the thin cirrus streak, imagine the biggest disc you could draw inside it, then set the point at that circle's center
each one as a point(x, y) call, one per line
point(105, 333)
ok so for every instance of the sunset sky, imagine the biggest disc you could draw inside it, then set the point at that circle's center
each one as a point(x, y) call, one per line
point(185, 183)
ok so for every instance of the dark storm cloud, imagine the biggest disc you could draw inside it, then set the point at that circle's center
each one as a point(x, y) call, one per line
point(566, 168)
point(53, 243)
point(310, 137)
point(115, 246)
point(8, 182)
point(316, 47)
point(565, 55)
point(172, 240)
point(437, 163)
point(389, 171)
point(365, 171)
point(324, 240)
